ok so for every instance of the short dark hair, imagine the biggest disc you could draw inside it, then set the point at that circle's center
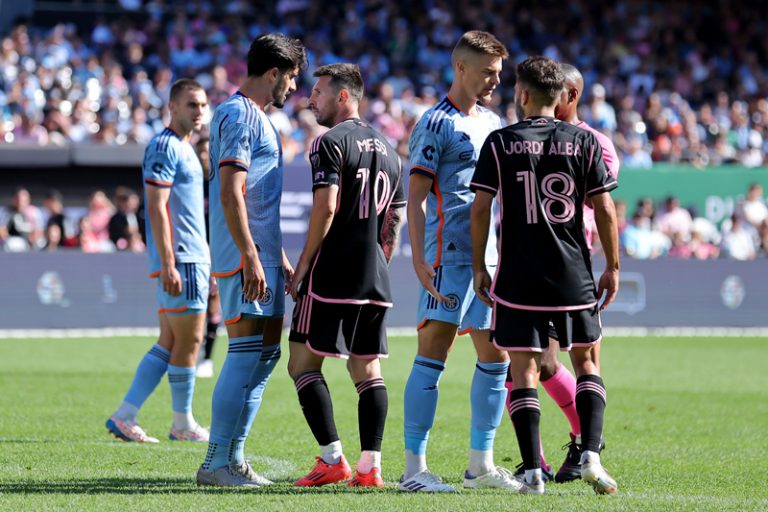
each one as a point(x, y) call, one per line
point(544, 76)
point(275, 51)
point(343, 76)
point(480, 43)
point(182, 84)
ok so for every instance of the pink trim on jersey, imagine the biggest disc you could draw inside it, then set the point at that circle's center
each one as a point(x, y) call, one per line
point(542, 308)
point(600, 188)
point(355, 302)
point(500, 202)
point(369, 356)
point(588, 343)
point(341, 179)
point(486, 187)
point(325, 354)
point(517, 349)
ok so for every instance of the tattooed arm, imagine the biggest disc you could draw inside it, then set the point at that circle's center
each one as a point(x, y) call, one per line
point(390, 231)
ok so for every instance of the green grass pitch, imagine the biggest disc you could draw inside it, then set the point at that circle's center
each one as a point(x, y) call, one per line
point(686, 429)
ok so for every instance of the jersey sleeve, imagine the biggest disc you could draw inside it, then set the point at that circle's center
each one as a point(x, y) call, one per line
point(486, 177)
point(159, 167)
point(426, 145)
point(399, 200)
point(599, 180)
point(326, 159)
point(237, 140)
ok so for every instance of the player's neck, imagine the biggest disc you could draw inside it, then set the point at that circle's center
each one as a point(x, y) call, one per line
point(179, 131)
point(464, 102)
point(256, 91)
point(536, 111)
point(344, 113)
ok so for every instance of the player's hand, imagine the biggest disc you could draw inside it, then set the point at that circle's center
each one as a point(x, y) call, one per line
point(288, 274)
point(298, 276)
point(254, 279)
point(426, 274)
point(608, 283)
point(213, 287)
point(482, 285)
point(171, 280)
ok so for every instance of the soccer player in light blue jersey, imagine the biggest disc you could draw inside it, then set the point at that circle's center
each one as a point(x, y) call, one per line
point(179, 259)
point(444, 147)
point(252, 271)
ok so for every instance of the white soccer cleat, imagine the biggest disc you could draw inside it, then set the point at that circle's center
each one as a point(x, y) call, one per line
point(197, 434)
point(204, 369)
point(536, 487)
point(223, 477)
point(497, 478)
point(244, 469)
point(595, 475)
point(424, 482)
point(129, 431)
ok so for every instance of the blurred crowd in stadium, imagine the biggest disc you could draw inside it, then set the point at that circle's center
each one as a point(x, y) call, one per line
point(647, 230)
point(668, 83)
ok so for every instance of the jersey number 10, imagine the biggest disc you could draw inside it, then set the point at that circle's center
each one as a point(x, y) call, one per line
point(381, 191)
point(565, 185)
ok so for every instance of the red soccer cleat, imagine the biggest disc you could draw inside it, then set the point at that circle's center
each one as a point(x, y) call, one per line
point(370, 479)
point(324, 473)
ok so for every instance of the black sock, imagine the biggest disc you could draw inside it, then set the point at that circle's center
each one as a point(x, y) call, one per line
point(316, 405)
point(210, 338)
point(525, 411)
point(590, 404)
point(372, 407)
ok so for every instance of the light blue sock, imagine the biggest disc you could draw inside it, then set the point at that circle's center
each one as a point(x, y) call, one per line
point(148, 374)
point(182, 382)
point(487, 396)
point(421, 402)
point(229, 396)
point(270, 355)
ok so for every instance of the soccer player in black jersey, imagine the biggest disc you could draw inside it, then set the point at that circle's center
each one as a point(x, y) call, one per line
point(543, 171)
point(341, 285)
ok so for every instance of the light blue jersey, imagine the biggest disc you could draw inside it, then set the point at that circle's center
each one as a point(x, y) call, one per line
point(169, 162)
point(444, 146)
point(243, 136)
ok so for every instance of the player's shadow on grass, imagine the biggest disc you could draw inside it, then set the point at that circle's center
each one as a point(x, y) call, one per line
point(158, 486)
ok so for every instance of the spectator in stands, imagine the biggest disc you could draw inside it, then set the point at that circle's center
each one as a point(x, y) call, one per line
point(123, 226)
point(739, 240)
point(754, 208)
point(763, 235)
point(100, 211)
point(57, 228)
point(642, 241)
point(22, 225)
point(675, 219)
point(701, 249)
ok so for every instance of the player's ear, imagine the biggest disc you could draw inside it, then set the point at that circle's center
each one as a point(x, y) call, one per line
point(343, 96)
point(274, 73)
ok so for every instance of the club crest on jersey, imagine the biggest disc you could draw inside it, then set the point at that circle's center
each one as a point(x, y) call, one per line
point(268, 297)
point(451, 302)
point(315, 159)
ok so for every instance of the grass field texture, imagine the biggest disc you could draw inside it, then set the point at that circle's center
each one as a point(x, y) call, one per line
point(686, 429)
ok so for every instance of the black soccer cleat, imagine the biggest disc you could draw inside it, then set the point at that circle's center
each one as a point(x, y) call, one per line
point(546, 473)
point(571, 468)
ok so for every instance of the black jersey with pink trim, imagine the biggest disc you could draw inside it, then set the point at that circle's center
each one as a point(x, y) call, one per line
point(350, 267)
point(543, 170)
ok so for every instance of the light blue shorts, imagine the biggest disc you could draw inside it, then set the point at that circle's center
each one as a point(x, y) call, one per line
point(463, 308)
point(195, 280)
point(234, 304)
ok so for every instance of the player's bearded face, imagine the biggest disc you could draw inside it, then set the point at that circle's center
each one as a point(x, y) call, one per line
point(323, 101)
point(286, 84)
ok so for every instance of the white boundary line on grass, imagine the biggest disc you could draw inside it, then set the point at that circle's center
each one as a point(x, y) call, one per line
point(624, 332)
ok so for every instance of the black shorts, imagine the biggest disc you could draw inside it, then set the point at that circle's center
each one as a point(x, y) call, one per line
point(340, 330)
point(523, 330)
